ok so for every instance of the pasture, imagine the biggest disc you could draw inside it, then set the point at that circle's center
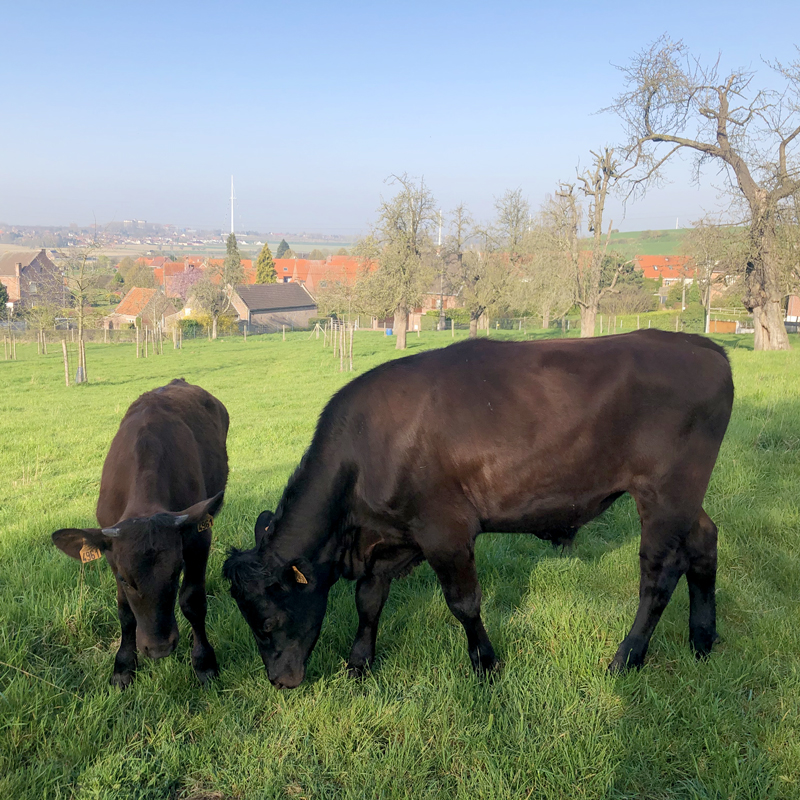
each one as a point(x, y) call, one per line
point(552, 724)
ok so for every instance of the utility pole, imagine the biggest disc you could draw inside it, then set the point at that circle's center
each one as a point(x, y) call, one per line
point(440, 326)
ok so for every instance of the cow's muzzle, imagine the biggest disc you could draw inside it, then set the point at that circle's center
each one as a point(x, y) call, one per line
point(156, 649)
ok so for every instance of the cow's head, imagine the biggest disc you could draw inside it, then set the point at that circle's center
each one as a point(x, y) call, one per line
point(146, 557)
point(284, 604)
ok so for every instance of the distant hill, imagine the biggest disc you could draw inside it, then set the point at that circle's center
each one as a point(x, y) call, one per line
point(649, 243)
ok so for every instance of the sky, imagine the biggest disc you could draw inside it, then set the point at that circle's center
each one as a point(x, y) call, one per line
point(145, 110)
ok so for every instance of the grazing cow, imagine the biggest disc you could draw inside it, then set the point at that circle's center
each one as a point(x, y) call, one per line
point(163, 481)
point(415, 458)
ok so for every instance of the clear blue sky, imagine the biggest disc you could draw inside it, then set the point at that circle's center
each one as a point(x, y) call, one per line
point(144, 110)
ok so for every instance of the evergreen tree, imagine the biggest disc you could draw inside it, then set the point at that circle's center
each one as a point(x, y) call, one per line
point(3, 298)
point(283, 248)
point(265, 266)
point(342, 251)
point(233, 261)
point(317, 255)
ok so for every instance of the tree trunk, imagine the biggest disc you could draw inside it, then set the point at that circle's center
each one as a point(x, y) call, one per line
point(400, 325)
point(546, 318)
point(762, 282)
point(588, 321)
point(214, 328)
point(473, 323)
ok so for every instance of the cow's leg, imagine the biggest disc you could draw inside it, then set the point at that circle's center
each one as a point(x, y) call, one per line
point(701, 577)
point(371, 594)
point(125, 661)
point(193, 603)
point(662, 560)
point(459, 579)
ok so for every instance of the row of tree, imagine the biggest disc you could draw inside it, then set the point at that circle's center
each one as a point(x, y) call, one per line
point(524, 262)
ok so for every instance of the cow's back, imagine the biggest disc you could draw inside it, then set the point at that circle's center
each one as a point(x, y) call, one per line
point(169, 451)
point(520, 428)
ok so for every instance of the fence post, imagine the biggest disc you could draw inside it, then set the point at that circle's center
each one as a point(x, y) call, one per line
point(5, 347)
point(245, 333)
point(352, 328)
point(66, 361)
point(452, 328)
point(284, 332)
point(137, 341)
point(83, 359)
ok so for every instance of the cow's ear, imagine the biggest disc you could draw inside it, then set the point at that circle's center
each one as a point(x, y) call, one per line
point(262, 524)
point(298, 574)
point(200, 512)
point(82, 544)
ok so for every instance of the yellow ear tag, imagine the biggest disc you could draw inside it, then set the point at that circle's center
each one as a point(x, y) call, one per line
point(299, 577)
point(89, 553)
point(207, 522)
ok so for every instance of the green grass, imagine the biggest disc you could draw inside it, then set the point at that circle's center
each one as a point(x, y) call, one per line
point(649, 243)
point(554, 724)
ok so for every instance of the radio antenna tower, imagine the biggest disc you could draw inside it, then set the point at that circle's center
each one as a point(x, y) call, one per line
point(233, 197)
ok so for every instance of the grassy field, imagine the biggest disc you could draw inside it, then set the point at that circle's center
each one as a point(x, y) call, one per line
point(553, 724)
point(649, 243)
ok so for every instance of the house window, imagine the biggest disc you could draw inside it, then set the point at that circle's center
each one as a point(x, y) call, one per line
point(32, 288)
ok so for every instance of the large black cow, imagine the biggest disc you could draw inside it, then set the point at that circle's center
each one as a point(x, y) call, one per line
point(415, 458)
point(163, 481)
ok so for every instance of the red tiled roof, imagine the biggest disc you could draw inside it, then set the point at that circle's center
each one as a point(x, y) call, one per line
point(135, 302)
point(670, 267)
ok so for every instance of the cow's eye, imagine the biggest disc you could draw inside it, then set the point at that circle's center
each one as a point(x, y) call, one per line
point(126, 584)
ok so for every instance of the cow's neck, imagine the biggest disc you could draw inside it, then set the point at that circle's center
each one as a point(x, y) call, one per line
point(308, 521)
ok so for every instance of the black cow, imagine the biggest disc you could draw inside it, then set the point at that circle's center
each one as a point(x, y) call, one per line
point(415, 458)
point(163, 481)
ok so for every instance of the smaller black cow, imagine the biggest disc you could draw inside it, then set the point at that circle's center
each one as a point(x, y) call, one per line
point(163, 482)
point(415, 458)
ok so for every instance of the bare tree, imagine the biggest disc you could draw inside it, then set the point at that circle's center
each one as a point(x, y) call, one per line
point(545, 287)
point(512, 223)
point(484, 279)
point(672, 102)
point(404, 251)
point(214, 291)
point(716, 250)
point(596, 182)
point(80, 278)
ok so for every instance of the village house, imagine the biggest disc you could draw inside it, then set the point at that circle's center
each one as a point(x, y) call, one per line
point(271, 305)
point(29, 275)
point(149, 305)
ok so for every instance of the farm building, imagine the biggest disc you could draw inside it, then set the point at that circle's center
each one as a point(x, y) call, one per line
point(28, 275)
point(271, 305)
point(149, 305)
point(668, 270)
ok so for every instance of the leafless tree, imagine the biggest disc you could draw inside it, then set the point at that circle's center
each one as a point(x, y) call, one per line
point(719, 252)
point(672, 103)
point(511, 224)
point(79, 266)
point(214, 291)
point(545, 285)
point(595, 183)
point(404, 251)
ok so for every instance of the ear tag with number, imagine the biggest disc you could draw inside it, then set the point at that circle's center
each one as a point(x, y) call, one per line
point(207, 522)
point(299, 577)
point(90, 553)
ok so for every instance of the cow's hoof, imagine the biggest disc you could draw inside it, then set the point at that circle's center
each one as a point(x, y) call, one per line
point(122, 680)
point(488, 667)
point(357, 671)
point(205, 676)
point(702, 640)
point(205, 666)
point(624, 663)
